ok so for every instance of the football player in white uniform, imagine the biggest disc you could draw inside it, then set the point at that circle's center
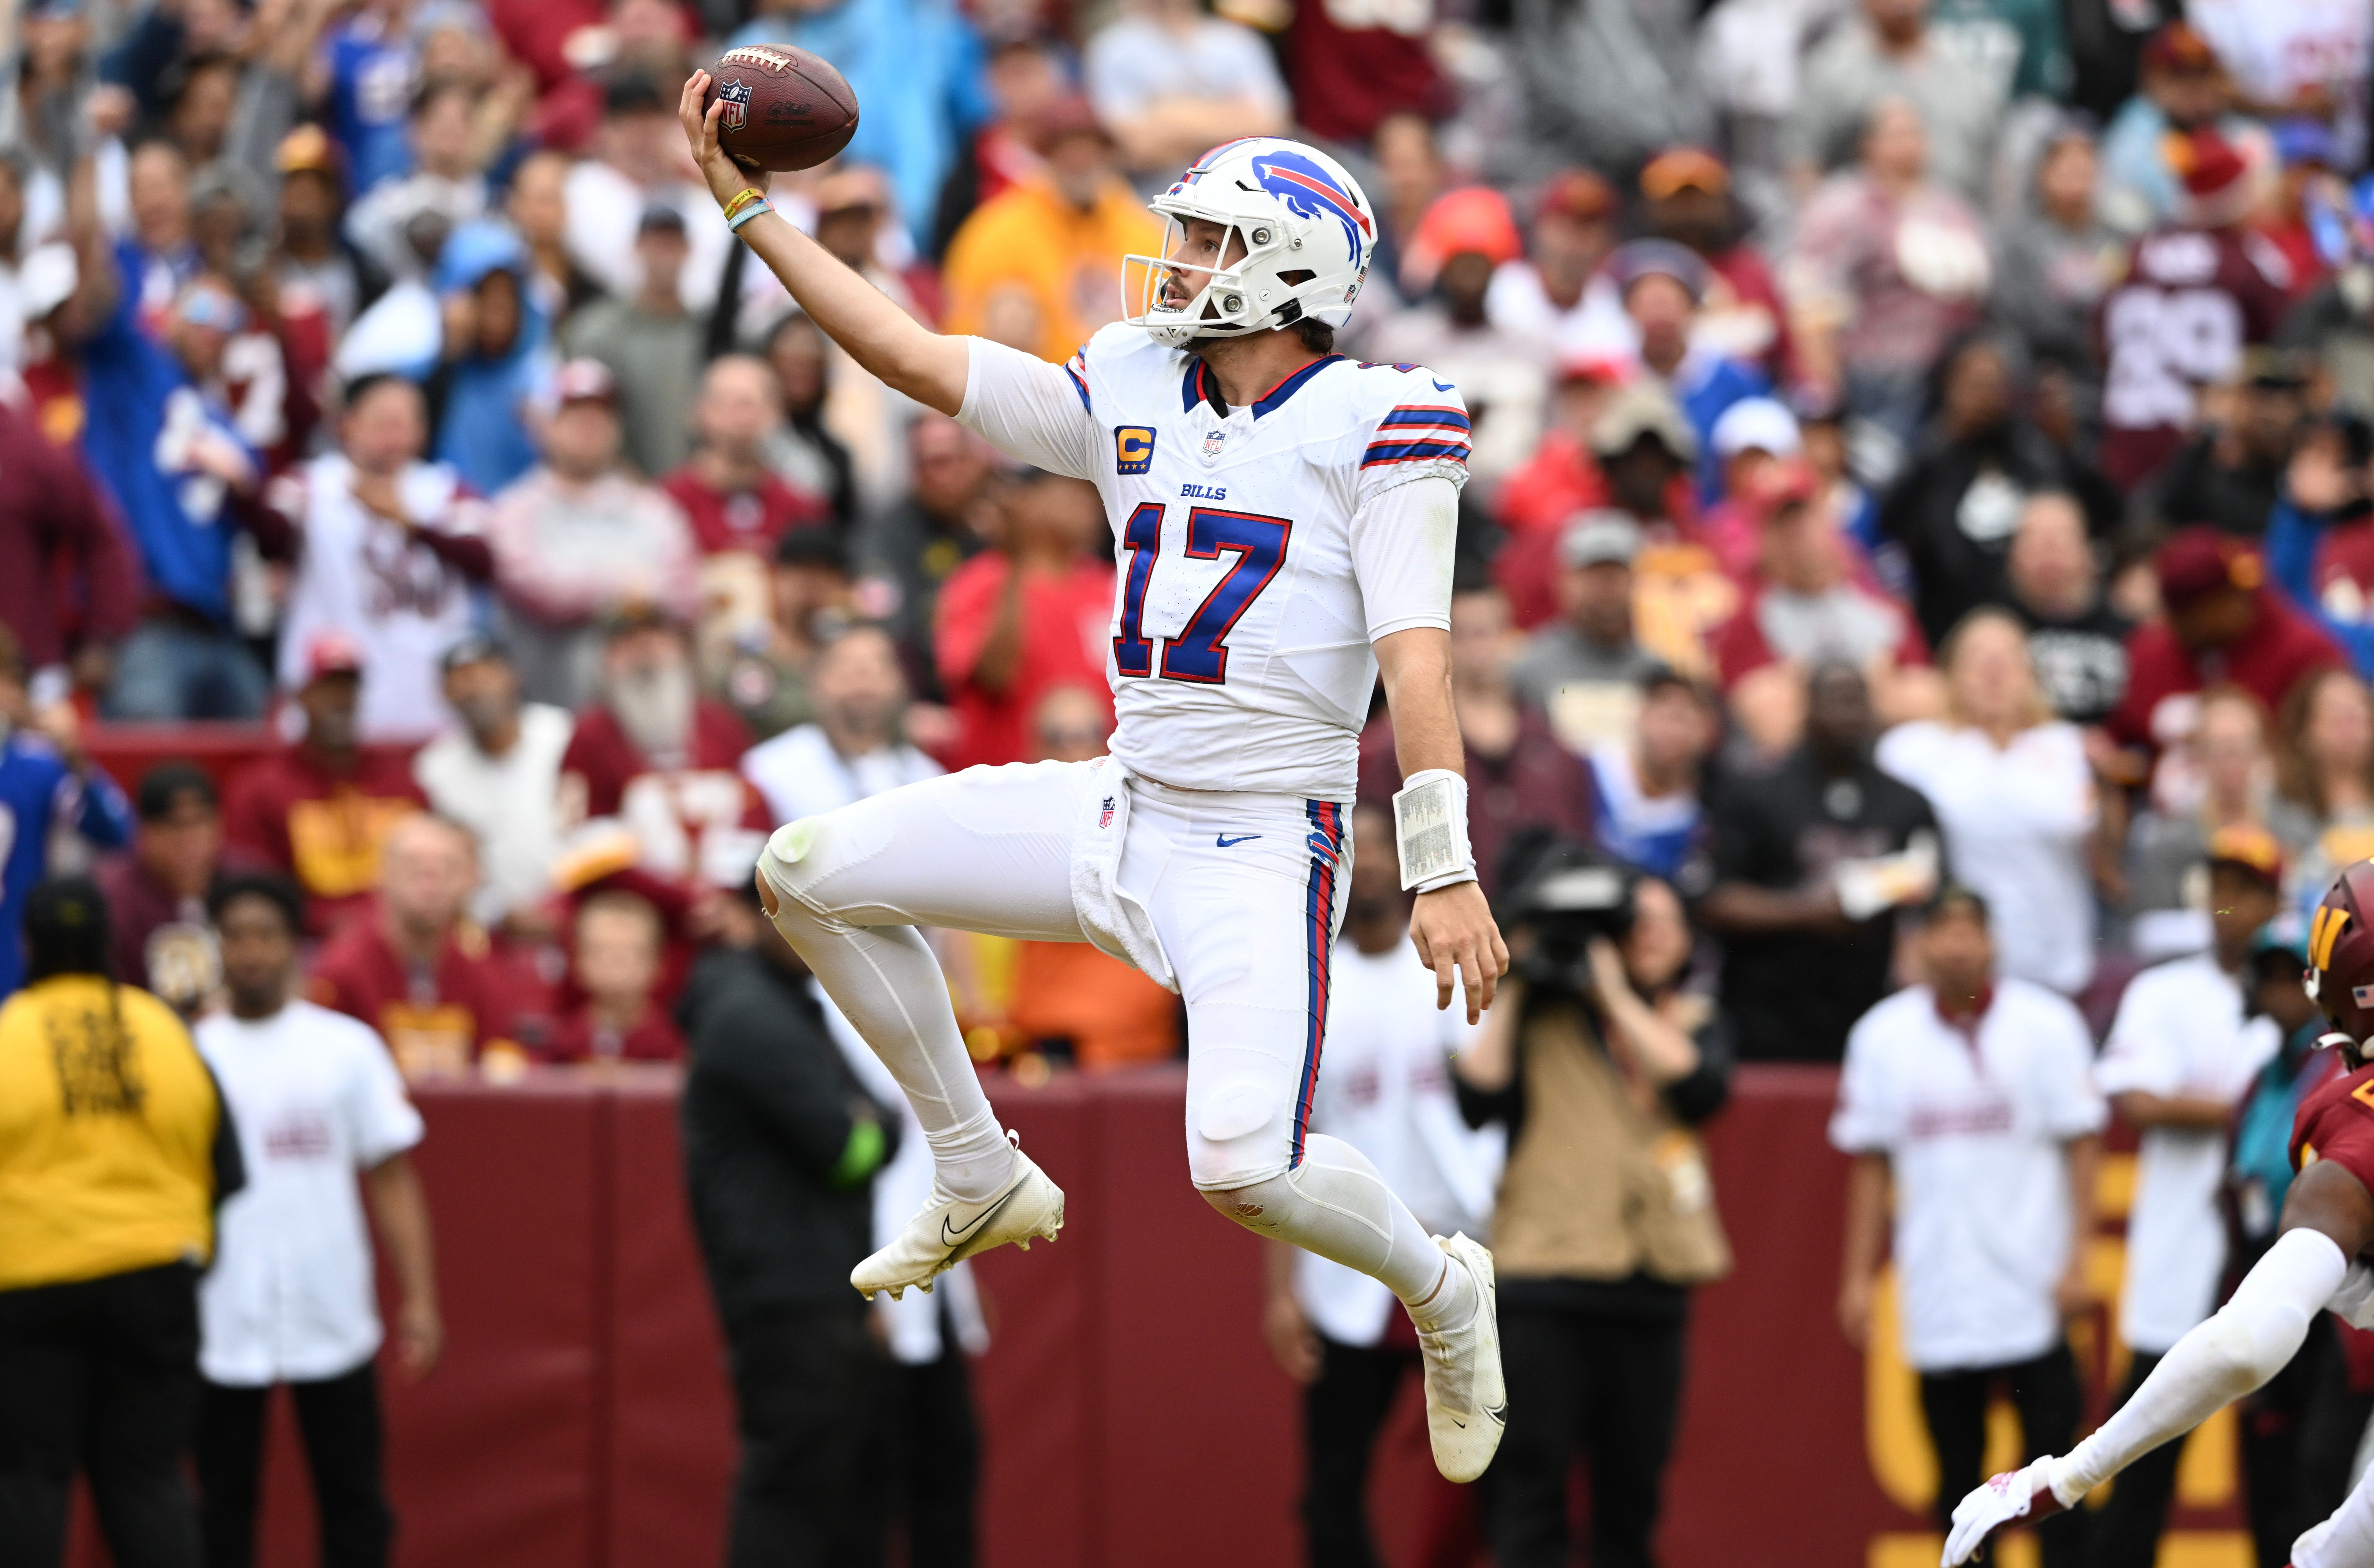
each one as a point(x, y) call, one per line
point(1283, 521)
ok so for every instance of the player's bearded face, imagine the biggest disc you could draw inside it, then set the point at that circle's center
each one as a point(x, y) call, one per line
point(1197, 248)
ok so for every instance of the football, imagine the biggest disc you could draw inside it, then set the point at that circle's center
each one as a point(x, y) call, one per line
point(785, 108)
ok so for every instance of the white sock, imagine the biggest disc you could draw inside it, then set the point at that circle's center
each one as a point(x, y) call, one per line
point(885, 980)
point(1336, 1204)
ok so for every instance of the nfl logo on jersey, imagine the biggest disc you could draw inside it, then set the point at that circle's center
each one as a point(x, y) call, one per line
point(1104, 818)
point(735, 96)
point(1213, 442)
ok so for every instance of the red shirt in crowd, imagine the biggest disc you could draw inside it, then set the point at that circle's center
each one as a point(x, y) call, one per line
point(1351, 67)
point(55, 533)
point(1066, 628)
point(582, 1037)
point(292, 810)
point(2192, 301)
point(436, 1018)
point(742, 520)
point(2265, 661)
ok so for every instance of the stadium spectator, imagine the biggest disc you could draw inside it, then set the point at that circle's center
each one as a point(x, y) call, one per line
point(1968, 1105)
point(780, 1141)
point(156, 261)
point(49, 790)
point(1502, 373)
point(496, 356)
point(316, 272)
point(1032, 614)
point(1555, 293)
point(2180, 1055)
point(2184, 89)
point(445, 180)
point(1687, 198)
point(1662, 286)
point(614, 959)
point(764, 673)
point(1047, 251)
point(1645, 447)
point(537, 206)
point(1804, 605)
point(577, 539)
point(2230, 476)
point(184, 479)
point(904, 556)
point(1559, 480)
point(1958, 506)
point(657, 758)
point(1603, 89)
point(1388, 1094)
point(156, 891)
point(415, 968)
point(115, 1150)
point(2053, 257)
point(637, 163)
point(1603, 1069)
point(1813, 857)
point(851, 749)
point(2218, 776)
point(1173, 81)
point(1889, 265)
point(2077, 642)
point(317, 808)
point(2324, 770)
point(1753, 444)
point(1646, 786)
point(497, 773)
point(650, 345)
point(2200, 266)
point(291, 1299)
point(2015, 794)
point(802, 453)
point(1520, 774)
point(35, 277)
point(1024, 75)
point(1582, 669)
point(54, 530)
point(371, 60)
point(1352, 72)
point(1890, 54)
point(390, 551)
point(730, 496)
point(2222, 625)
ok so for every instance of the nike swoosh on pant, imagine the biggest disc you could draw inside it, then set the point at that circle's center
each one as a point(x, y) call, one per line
point(1224, 841)
point(953, 1238)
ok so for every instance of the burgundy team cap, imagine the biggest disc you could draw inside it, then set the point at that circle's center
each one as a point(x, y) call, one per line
point(2178, 47)
point(332, 653)
point(2198, 561)
point(585, 381)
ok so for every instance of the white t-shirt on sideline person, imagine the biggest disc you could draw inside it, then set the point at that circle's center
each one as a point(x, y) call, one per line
point(316, 1098)
point(800, 775)
point(2016, 820)
point(2180, 1032)
point(1972, 1125)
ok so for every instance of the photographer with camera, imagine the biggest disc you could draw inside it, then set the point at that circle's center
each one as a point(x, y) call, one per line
point(1603, 1069)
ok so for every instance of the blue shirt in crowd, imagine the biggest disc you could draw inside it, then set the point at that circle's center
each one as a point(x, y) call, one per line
point(38, 792)
point(371, 80)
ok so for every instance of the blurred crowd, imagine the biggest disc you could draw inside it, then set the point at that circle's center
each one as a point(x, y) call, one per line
point(1922, 467)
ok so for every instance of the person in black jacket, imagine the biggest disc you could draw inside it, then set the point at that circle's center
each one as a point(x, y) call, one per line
point(781, 1146)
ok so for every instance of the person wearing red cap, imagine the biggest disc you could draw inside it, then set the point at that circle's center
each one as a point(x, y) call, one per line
point(2198, 291)
point(1555, 291)
point(1802, 605)
point(1034, 267)
point(2224, 627)
point(318, 807)
point(2184, 88)
point(577, 537)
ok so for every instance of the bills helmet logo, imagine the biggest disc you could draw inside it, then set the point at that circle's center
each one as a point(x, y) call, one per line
point(1306, 190)
point(1104, 818)
point(735, 96)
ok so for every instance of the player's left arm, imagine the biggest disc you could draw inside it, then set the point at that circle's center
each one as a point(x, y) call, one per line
point(1403, 537)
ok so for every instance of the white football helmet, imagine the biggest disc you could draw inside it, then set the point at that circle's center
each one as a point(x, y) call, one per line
point(1305, 229)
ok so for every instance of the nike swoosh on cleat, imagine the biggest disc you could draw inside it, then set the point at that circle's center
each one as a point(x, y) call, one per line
point(1224, 841)
point(952, 1238)
point(1498, 1413)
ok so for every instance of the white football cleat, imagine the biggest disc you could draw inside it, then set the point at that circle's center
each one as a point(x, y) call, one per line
point(1467, 1399)
point(950, 1230)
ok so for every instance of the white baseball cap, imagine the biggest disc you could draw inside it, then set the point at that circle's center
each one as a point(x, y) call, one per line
point(1754, 424)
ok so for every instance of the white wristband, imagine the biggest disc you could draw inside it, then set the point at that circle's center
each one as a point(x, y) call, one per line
point(1430, 826)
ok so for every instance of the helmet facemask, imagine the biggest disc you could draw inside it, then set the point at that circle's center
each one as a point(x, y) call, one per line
point(1234, 299)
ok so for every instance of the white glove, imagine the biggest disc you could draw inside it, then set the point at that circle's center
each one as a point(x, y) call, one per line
point(2017, 1494)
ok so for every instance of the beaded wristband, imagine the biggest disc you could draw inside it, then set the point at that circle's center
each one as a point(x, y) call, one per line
point(734, 222)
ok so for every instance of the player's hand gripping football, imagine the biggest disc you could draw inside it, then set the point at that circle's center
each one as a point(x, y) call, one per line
point(1456, 938)
point(2014, 1495)
point(726, 177)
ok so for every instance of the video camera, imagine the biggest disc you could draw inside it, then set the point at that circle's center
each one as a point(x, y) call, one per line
point(1563, 894)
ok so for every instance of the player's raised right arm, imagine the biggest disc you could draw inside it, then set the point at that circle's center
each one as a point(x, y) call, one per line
point(885, 340)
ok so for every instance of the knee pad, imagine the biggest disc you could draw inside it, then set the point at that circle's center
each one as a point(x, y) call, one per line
point(1238, 1134)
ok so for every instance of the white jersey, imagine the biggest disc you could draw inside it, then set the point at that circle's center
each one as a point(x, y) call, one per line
point(1260, 552)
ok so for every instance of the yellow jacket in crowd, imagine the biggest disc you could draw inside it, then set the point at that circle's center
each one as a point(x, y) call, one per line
point(107, 1127)
point(1032, 244)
